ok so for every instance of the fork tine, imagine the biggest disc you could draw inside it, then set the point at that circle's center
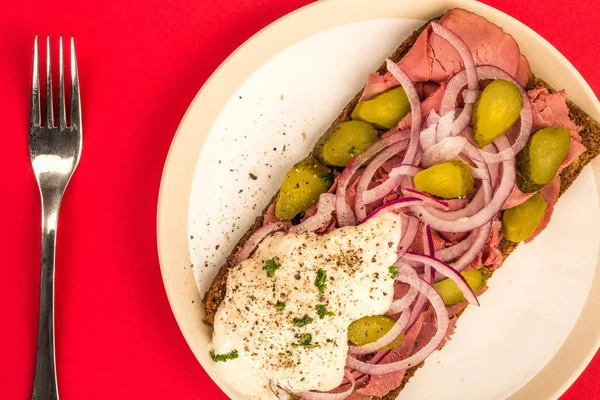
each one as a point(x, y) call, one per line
point(49, 108)
point(75, 101)
point(34, 111)
point(62, 118)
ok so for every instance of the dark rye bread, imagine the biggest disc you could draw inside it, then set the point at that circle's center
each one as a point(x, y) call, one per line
point(590, 135)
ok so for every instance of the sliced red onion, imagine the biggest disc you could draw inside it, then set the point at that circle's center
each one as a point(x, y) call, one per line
point(491, 72)
point(488, 212)
point(463, 51)
point(344, 212)
point(404, 170)
point(445, 150)
point(395, 177)
point(325, 208)
point(428, 200)
point(454, 86)
point(471, 95)
point(415, 107)
point(453, 252)
point(407, 239)
point(428, 136)
point(482, 235)
point(447, 271)
point(329, 396)
point(258, 236)
point(364, 196)
point(442, 327)
point(432, 118)
point(444, 126)
point(479, 173)
point(394, 206)
point(386, 339)
point(427, 276)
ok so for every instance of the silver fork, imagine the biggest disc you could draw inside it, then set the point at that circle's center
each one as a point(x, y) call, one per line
point(54, 152)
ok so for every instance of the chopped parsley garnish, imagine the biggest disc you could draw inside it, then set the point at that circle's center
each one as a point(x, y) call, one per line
point(351, 150)
point(271, 266)
point(322, 311)
point(305, 340)
point(300, 322)
point(253, 297)
point(393, 271)
point(280, 305)
point(224, 357)
point(327, 180)
point(321, 280)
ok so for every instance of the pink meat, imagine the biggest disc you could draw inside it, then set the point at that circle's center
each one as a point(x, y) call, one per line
point(550, 194)
point(270, 214)
point(417, 246)
point(550, 109)
point(432, 102)
point(432, 58)
point(435, 59)
point(491, 256)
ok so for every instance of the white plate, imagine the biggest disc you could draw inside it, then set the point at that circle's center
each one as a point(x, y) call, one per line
point(283, 88)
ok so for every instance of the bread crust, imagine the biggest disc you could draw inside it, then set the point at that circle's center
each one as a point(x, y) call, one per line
point(590, 135)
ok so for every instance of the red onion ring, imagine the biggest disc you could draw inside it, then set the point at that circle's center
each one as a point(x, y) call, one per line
point(257, 237)
point(471, 79)
point(394, 206)
point(386, 339)
point(442, 323)
point(364, 196)
point(488, 212)
point(445, 270)
point(453, 88)
point(407, 239)
point(483, 233)
point(470, 95)
point(446, 149)
point(415, 107)
point(428, 200)
point(404, 303)
point(463, 51)
point(427, 276)
point(325, 208)
point(453, 252)
point(444, 126)
point(428, 136)
point(344, 212)
point(395, 177)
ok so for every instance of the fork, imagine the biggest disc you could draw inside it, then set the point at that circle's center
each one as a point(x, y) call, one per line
point(54, 152)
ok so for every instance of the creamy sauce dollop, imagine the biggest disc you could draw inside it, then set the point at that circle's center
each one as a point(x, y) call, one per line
point(356, 260)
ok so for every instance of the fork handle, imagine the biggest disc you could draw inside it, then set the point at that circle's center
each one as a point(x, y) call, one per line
point(45, 386)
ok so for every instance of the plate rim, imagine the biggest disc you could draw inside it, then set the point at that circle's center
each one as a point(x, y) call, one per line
point(172, 254)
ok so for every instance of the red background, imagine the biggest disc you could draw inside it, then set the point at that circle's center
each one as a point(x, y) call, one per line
point(141, 63)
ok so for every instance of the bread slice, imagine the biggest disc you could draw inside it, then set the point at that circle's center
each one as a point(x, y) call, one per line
point(590, 135)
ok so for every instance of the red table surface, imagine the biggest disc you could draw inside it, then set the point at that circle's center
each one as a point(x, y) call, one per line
point(141, 63)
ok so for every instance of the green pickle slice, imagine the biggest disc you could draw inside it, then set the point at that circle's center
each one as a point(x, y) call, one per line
point(302, 187)
point(384, 110)
point(448, 180)
point(539, 161)
point(518, 223)
point(451, 294)
point(370, 329)
point(346, 141)
point(496, 109)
